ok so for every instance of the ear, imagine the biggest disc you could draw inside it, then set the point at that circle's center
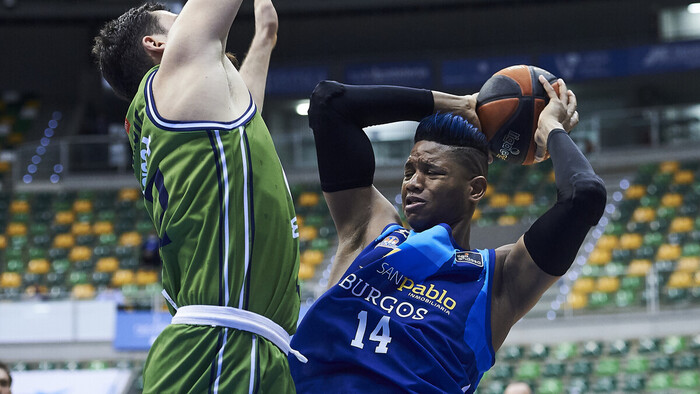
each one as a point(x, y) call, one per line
point(478, 188)
point(154, 46)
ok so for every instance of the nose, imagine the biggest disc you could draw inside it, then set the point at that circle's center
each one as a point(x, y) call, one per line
point(415, 183)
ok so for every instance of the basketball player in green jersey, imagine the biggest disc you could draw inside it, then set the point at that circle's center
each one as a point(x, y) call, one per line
point(216, 192)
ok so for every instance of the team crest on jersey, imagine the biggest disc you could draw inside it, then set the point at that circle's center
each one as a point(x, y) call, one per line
point(389, 242)
point(468, 257)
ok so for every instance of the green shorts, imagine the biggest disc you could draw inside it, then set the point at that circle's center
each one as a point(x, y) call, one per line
point(205, 359)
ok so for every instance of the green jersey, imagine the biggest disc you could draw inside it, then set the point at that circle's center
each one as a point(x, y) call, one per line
point(221, 206)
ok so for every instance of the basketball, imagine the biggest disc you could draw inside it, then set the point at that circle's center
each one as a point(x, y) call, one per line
point(508, 107)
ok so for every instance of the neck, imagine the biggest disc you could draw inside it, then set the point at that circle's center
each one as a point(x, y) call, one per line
point(461, 232)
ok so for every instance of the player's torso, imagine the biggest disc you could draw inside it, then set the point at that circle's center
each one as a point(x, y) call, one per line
point(220, 204)
point(384, 318)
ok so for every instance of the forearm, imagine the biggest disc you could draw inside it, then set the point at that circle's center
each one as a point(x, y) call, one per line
point(337, 114)
point(554, 239)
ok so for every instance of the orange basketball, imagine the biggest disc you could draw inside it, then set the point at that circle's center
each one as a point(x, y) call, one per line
point(509, 106)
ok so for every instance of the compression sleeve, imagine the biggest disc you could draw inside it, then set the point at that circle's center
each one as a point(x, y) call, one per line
point(337, 114)
point(554, 239)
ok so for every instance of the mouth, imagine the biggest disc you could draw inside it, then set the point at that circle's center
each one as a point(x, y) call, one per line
point(413, 204)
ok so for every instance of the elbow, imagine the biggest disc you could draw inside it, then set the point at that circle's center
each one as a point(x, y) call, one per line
point(589, 198)
point(322, 101)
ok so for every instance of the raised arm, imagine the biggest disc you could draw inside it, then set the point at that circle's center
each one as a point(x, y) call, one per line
point(545, 252)
point(257, 61)
point(337, 115)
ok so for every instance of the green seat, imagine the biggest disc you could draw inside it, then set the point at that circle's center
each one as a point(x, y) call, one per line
point(673, 344)
point(648, 345)
point(659, 382)
point(41, 240)
point(565, 351)
point(614, 268)
point(538, 351)
point(58, 253)
point(84, 265)
point(624, 298)
point(581, 368)
point(618, 347)
point(84, 217)
point(29, 279)
point(501, 371)
point(691, 249)
point(686, 361)
point(633, 283)
point(101, 278)
point(60, 228)
point(634, 383)
point(607, 367)
point(129, 263)
point(512, 352)
point(554, 370)
point(528, 370)
point(131, 291)
point(55, 278)
point(645, 252)
point(674, 295)
point(605, 384)
point(105, 215)
point(550, 386)
point(123, 252)
point(591, 349)
point(108, 239)
point(153, 289)
point(38, 229)
point(689, 380)
point(598, 300)
point(19, 241)
point(85, 240)
point(15, 265)
point(144, 227)
point(662, 363)
point(77, 277)
point(637, 364)
point(577, 386)
point(654, 239)
point(37, 253)
point(60, 265)
point(102, 251)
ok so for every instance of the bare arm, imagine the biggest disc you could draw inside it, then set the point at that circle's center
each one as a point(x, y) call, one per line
point(526, 269)
point(346, 160)
point(257, 61)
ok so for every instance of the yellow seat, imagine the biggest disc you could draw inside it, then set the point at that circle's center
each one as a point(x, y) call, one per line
point(19, 206)
point(309, 199)
point(696, 279)
point(507, 220)
point(308, 233)
point(15, 229)
point(672, 200)
point(3, 242)
point(631, 241)
point(584, 286)
point(83, 291)
point(107, 264)
point(684, 177)
point(643, 215)
point(688, 264)
point(608, 242)
point(5, 166)
point(131, 238)
point(64, 241)
point(600, 256)
point(477, 214)
point(608, 284)
point(669, 166)
point(499, 200)
point(668, 252)
point(490, 190)
point(65, 217)
point(81, 228)
point(129, 194)
point(577, 300)
point(104, 227)
point(39, 266)
point(635, 192)
point(146, 277)
point(523, 199)
point(79, 253)
point(82, 206)
point(123, 277)
point(10, 280)
point(306, 271)
point(680, 280)
point(639, 267)
point(311, 257)
point(681, 224)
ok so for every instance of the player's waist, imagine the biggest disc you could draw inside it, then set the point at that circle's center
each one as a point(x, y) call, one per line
point(238, 319)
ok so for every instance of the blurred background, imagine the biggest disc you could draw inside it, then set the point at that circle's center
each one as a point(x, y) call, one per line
point(79, 272)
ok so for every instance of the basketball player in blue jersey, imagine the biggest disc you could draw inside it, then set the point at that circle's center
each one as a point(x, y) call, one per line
point(419, 310)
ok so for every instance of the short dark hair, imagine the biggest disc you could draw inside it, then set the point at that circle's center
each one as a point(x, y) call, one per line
point(468, 144)
point(120, 56)
point(7, 369)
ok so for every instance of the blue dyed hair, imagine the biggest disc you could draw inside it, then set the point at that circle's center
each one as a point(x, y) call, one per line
point(468, 142)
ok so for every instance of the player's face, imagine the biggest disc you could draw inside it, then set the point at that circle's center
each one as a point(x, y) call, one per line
point(4, 382)
point(435, 187)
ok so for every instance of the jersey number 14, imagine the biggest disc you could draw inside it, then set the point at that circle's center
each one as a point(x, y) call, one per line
point(380, 333)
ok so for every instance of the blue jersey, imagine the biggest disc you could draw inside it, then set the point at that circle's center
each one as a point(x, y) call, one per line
point(411, 314)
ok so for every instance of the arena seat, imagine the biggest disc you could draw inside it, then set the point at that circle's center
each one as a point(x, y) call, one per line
point(660, 382)
point(550, 386)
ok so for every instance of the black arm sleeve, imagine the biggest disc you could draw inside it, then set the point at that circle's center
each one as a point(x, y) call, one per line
point(337, 114)
point(554, 239)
